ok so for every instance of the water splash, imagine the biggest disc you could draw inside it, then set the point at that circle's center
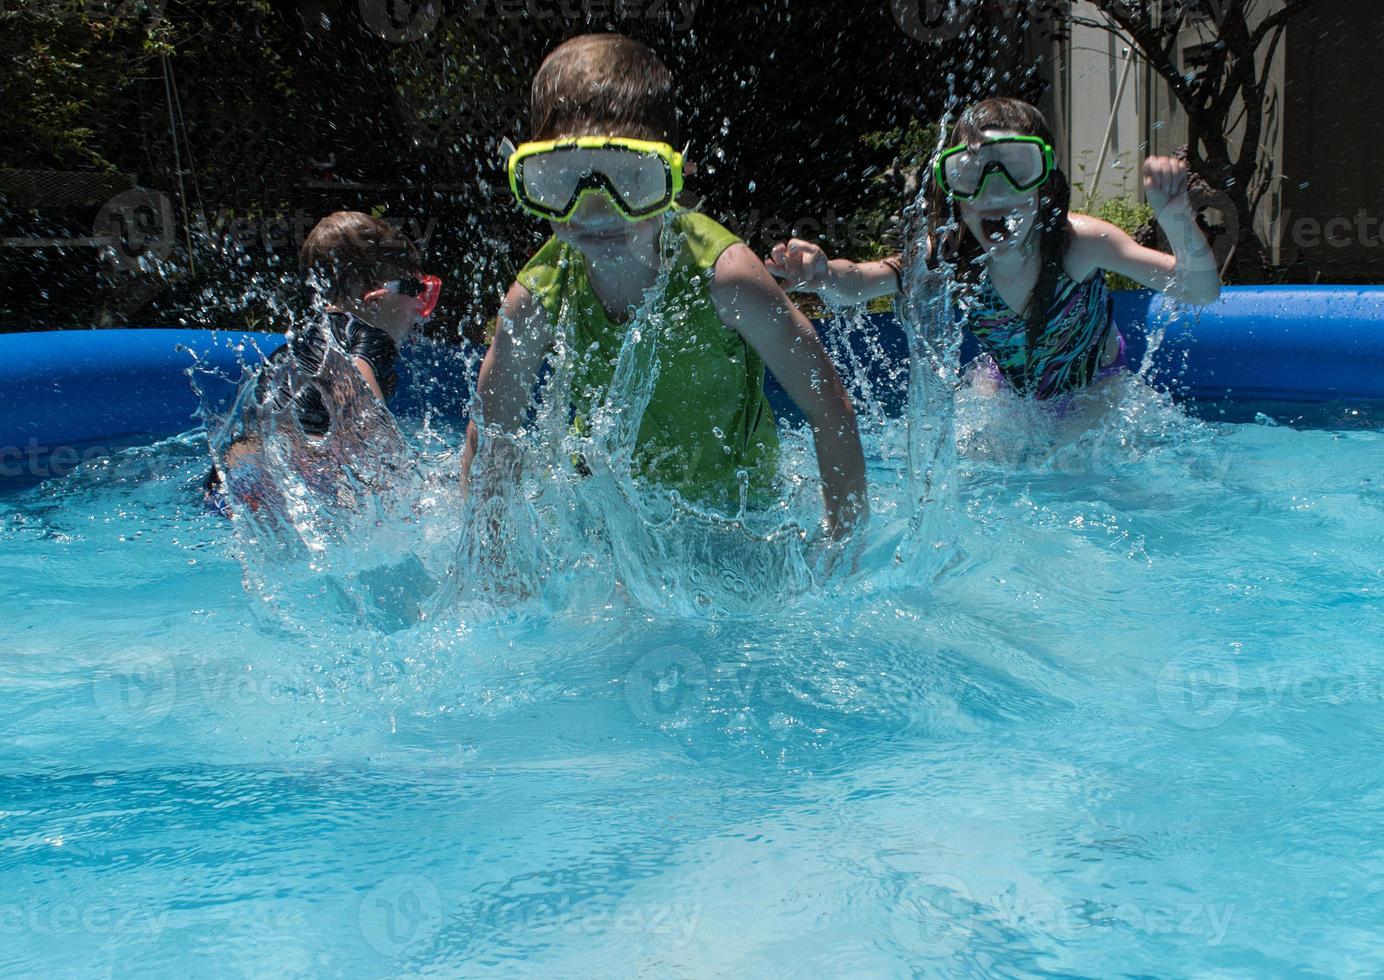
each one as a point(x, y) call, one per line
point(345, 523)
point(537, 519)
point(363, 524)
point(934, 345)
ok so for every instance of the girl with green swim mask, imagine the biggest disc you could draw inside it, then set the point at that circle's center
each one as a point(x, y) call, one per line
point(602, 170)
point(1031, 271)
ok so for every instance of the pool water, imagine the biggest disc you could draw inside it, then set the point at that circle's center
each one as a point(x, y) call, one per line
point(1128, 725)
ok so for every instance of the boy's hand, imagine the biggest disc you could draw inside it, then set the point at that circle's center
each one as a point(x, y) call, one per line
point(801, 265)
point(1165, 184)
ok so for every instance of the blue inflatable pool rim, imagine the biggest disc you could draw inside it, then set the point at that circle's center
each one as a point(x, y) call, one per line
point(1301, 354)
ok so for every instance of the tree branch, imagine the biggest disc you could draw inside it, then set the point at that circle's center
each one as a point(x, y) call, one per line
point(1250, 147)
point(1279, 19)
point(1144, 37)
point(1102, 25)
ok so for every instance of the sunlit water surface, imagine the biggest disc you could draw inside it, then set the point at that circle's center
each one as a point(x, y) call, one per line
point(1125, 720)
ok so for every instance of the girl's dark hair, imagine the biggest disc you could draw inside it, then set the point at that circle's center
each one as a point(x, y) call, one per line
point(605, 84)
point(351, 251)
point(959, 247)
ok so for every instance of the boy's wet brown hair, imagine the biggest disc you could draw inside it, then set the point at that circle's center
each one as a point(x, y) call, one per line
point(604, 84)
point(349, 252)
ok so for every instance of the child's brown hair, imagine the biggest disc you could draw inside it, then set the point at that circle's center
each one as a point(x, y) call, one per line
point(604, 84)
point(350, 252)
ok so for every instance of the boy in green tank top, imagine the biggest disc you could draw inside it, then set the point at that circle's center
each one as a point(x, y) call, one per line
point(602, 170)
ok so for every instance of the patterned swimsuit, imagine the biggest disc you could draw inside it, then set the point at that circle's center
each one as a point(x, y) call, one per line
point(1068, 355)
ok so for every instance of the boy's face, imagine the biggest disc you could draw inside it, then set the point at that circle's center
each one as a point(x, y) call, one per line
point(394, 313)
point(598, 230)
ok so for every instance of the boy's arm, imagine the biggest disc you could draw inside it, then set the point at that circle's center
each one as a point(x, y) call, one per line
point(1189, 275)
point(510, 369)
point(749, 301)
point(804, 267)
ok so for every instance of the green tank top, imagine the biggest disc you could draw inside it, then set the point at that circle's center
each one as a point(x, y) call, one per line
point(708, 416)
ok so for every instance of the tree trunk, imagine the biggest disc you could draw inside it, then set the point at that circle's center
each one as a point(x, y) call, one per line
point(1232, 76)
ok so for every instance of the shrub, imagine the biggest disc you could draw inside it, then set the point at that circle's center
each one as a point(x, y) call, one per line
point(1129, 215)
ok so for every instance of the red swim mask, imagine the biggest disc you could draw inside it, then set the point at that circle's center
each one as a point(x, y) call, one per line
point(425, 289)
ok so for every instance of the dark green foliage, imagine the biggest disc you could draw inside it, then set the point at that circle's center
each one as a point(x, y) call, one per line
point(805, 119)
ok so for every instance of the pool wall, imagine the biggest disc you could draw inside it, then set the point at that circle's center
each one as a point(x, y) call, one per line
point(1292, 347)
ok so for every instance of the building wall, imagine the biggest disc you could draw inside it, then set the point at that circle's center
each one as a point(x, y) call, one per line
point(1322, 214)
point(1333, 158)
point(1148, 120)
point(1089, 103)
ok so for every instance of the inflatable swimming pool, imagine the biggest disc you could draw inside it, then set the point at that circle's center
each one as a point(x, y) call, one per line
point(1287, 351)
point(1126, 722)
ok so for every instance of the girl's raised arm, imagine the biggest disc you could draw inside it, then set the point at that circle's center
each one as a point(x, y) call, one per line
point(1189, 275)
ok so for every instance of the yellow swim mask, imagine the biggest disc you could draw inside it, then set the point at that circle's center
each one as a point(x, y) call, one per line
point(640, 178)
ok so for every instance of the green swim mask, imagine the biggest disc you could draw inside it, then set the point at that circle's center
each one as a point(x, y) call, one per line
point(1025, 163)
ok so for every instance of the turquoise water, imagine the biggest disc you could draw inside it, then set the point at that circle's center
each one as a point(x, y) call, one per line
point(1126, 722)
